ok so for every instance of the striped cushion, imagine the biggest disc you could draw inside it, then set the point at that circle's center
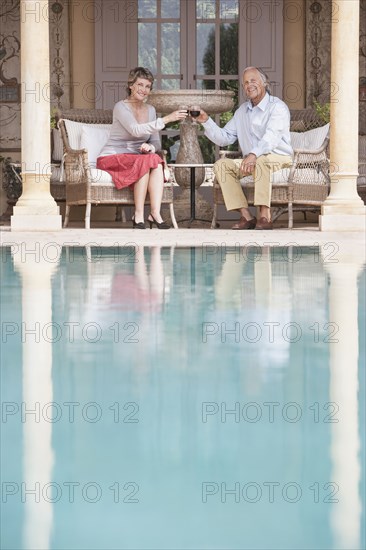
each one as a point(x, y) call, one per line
point(310, 140)
point(75, 129)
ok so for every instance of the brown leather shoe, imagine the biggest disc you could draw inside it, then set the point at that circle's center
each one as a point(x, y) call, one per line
point(245, 224)
point(263, 223)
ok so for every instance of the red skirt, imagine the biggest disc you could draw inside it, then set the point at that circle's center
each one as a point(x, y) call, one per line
point(127, 168)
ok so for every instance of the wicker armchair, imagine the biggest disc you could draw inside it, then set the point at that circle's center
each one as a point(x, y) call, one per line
point(302, 187)
point(82, 186)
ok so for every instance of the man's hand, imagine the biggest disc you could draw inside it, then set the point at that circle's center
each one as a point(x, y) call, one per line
point(248, 164)
point(203, 116)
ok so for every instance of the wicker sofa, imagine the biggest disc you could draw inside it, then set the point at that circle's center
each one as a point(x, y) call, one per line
point(83, 133)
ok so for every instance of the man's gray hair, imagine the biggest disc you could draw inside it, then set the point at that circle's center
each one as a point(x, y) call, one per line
point(264, 77)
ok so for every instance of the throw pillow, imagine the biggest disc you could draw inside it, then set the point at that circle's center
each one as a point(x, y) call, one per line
point(74, 131)
point(93, 138)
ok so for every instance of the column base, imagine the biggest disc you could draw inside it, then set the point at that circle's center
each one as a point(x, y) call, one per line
point(36, 222)
point(36, 209)
point(351, 221)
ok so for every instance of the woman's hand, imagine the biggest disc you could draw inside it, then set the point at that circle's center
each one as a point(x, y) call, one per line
point(147, 148)
point(175, 116)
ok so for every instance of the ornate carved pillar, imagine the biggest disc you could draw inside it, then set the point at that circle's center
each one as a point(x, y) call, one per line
point(35, 209)
point(344, 209)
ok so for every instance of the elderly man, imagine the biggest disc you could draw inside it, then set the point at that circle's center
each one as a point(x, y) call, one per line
point(262, 127)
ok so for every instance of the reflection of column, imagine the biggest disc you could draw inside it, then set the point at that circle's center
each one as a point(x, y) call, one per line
point(345, 441)
point(228, 286)
point(35, 209)
point(344, 209)
point(263, 278)
point(37, 391)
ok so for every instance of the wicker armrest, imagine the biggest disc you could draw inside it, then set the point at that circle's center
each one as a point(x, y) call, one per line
point(307, 166)
point(76, 167)
point(162, 153)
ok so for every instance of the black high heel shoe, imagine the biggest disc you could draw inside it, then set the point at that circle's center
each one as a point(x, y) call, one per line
point(161, 225)
point(139, 225)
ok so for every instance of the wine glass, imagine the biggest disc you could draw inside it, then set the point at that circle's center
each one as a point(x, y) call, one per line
point(183, 108)
point(194, 111)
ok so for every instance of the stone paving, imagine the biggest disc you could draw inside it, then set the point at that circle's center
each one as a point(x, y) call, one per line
point(342, 244)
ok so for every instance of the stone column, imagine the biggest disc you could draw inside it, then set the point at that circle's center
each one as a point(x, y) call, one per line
point(344, 210)
point(35, 209)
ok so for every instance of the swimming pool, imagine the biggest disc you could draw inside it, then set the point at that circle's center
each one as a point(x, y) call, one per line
point(182, 398)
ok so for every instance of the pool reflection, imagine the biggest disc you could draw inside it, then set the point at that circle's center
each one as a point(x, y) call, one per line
point(198, 394)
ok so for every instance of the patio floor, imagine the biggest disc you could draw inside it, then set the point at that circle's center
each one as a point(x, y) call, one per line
point(343, 243)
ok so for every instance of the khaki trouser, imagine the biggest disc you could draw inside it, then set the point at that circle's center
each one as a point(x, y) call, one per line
point(227, 172)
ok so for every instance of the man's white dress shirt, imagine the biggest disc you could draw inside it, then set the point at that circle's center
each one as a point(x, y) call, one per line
point(260, 129)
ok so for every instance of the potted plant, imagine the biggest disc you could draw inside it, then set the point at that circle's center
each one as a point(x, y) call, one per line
point(323, 111)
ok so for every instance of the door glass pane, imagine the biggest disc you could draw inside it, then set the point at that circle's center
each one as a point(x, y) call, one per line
point(170, 8)
point(232, 85)
point(147, 8)
point(170, 48)
point(206, 84)
point(229, 48)
point(147, 56)
point(170, 83)
point(205, 9)
point(229, 9)
point(205, 57)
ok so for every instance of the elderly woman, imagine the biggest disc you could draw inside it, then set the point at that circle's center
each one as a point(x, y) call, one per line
point(129, 154)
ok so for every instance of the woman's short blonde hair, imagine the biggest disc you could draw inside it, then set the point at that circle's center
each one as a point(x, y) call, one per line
point(138, 72)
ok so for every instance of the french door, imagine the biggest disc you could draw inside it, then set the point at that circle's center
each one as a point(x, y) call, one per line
point(190, 44)
point(198, 44)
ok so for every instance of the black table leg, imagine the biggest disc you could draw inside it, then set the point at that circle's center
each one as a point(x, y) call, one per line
point(193, 198)
point(193, 194)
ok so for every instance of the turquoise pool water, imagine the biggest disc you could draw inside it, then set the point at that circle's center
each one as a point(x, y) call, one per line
point(195, 398)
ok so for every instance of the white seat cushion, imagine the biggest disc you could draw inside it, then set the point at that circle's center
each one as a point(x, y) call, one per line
point(281, 176)
point(302, 175)
point(101, 177)
point(247, 179)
